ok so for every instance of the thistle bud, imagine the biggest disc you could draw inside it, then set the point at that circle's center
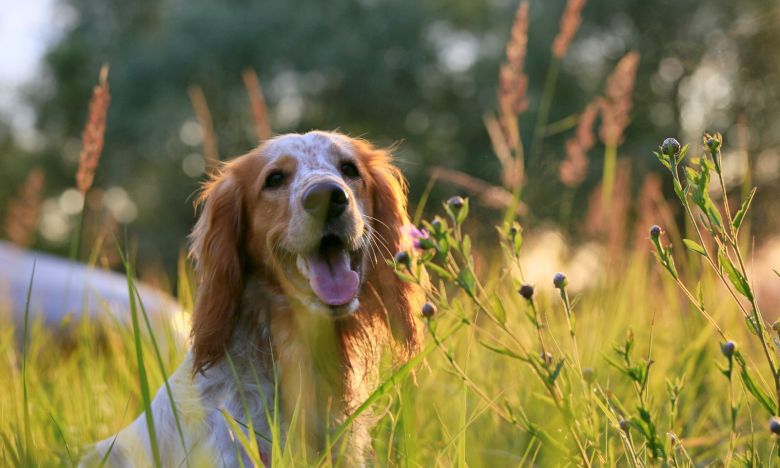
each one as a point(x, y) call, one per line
point(774, 425)
point(670, 147)
point(428, 310)
point(560, 281)
point(588, 374)
point(624, 425)
point(655, 231)
point(402, 258)
point(527, 291)
point(436, 225)
point(455, 202)
point(713, 142)
point(728, 348)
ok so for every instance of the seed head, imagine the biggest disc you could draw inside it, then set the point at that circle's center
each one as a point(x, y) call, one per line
point(455, 202)
point(428, 310)
point(546, 357)
point(560, 281)
point(92, 137)
point(527, 291)
point(774, 425)
point(402, 258)
point(655, 231)
point(21, 220)
point(670, 147)
point(617, 102)
point(728, 348)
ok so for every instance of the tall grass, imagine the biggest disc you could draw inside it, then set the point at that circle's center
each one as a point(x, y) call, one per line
point(627, 372)
point(665, 361)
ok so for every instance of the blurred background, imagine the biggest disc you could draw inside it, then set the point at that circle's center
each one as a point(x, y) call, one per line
point(421, 73)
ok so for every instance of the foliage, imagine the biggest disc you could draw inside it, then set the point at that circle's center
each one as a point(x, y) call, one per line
point(642, 368)
point(629, 372)
point(381, 69)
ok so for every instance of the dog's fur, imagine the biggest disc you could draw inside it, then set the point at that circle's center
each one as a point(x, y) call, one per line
point(257, 323)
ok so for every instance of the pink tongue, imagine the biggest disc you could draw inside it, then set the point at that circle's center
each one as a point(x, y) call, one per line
point(331, 277)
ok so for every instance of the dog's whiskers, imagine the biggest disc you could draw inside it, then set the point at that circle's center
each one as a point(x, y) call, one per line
point(368, 244)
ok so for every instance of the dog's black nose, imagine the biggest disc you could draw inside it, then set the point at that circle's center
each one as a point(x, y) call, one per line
point(326, 200)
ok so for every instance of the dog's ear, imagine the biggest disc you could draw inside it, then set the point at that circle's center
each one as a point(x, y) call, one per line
point(216, 247)
point(401, 300)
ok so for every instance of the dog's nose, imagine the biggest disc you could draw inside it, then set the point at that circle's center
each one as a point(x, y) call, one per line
point(326, 200)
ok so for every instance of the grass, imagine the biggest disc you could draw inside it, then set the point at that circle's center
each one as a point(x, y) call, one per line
point(633, 371)
point(660, 361)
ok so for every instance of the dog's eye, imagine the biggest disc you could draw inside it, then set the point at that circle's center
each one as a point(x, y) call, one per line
point(350, 170)
point(274, 180)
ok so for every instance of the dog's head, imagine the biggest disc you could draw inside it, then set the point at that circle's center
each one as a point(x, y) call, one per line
point(315, 215)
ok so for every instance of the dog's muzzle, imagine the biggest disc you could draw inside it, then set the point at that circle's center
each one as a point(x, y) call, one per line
point(333, 267)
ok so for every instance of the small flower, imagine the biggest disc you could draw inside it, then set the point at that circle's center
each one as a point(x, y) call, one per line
point(560, 281)
point(527, 291)
point(670, 147)
point(774, 425)
point(417, 235)
point(728, 348)
point(402, 258)
point(655, 231)
point(428, 310)
point(436, 225)
point(456, 202)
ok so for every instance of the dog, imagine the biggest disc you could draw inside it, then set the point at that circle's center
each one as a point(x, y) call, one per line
point(295, 303)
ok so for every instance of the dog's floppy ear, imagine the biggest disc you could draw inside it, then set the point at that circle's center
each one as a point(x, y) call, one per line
point(216, 247)
point(401, 300)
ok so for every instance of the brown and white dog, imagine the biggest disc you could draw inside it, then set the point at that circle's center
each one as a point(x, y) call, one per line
point(293, 291)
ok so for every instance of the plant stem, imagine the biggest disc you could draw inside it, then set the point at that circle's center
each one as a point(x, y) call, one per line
point(608, 178)
point(517, 191)
point(75, 243)
point(567, 203)
point(757, 316)
point(544, 108)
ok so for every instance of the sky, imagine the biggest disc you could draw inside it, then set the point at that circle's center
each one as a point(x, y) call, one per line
point(27, 27)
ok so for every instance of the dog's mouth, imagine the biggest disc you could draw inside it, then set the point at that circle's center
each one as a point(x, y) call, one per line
point(333, 271)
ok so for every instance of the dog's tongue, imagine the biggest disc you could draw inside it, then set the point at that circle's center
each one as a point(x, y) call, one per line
point(331, 278)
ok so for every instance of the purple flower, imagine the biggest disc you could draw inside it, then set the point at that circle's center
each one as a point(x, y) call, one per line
point(416, 234)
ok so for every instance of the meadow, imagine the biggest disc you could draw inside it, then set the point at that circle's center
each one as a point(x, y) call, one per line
point(653, 364)
point(655, 354)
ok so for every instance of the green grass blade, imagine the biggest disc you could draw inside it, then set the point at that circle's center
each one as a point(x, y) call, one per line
point(142, 377)
point(27, 451)
point(396, 378)
point(60, 434)
point(249, 443)
point(161, 365)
